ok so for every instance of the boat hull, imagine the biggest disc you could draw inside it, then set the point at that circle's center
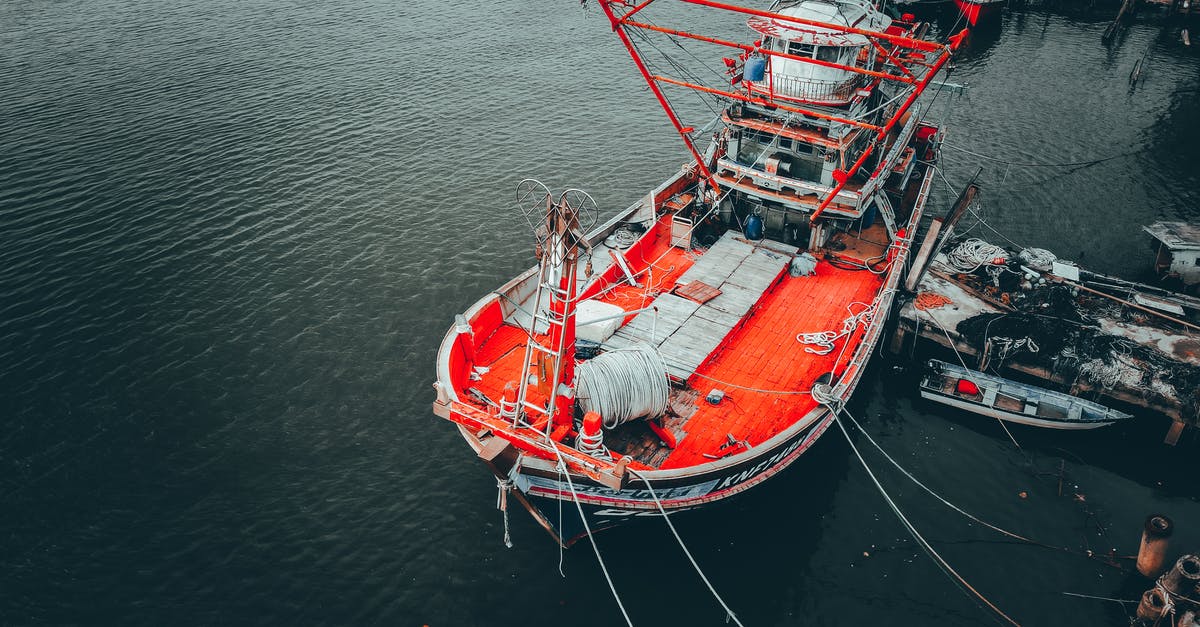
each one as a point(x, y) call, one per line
point(557, 504)
point(975, 12)
point(1018, 418)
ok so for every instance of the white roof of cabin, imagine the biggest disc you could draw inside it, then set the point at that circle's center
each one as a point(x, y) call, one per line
point(838, 13)
point(1175, 235)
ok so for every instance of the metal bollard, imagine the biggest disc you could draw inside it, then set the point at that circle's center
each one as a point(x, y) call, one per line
point(1152, 554)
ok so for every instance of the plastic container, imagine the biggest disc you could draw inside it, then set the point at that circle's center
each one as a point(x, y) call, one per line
point(754, 228)
point(756, 69)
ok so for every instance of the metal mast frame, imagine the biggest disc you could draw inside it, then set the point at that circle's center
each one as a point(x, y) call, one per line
point(908, 55)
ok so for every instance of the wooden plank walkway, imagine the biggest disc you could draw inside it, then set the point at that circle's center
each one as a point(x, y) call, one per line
point(685, 332)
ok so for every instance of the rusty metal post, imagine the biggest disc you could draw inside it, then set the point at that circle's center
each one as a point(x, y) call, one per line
point(1182, 578)
point(1152, 554)
point(1154, 605)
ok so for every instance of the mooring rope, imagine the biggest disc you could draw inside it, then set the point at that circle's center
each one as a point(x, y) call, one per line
point(604, 569)
point(952, 506)
point(828, 399)
point(728, 612)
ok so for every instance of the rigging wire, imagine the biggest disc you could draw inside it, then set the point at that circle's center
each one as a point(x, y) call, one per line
point(728, 612)
point(1065, 164)
point(679, 68)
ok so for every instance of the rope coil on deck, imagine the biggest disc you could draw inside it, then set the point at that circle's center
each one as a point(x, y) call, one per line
point(824, 340)
point(931, 300)
point(623, 384)
point(973, 254)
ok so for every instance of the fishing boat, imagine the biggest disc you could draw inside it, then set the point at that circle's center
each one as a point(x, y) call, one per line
point(695, 344)
point(976, 11)
point(990, 395)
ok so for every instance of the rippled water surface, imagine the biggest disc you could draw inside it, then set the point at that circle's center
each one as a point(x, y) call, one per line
point(233, 233)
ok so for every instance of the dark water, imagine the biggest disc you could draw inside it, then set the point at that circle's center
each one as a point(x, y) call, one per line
point(233, 233)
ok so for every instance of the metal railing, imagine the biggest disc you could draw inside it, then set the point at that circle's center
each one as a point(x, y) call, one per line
point(828, 92)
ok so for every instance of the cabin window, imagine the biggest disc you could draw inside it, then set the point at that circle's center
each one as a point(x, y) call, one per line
point(828, 53)
point(800, 49)
point(786, 142)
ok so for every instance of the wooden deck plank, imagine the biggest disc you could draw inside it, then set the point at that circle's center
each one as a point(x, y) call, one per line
point(764, 355)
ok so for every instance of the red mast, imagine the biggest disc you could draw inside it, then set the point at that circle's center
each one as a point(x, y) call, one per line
point(915, 61)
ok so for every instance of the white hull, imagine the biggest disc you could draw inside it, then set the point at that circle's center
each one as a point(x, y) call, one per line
point(1010, 416)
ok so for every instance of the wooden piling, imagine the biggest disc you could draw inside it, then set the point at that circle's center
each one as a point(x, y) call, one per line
point(1173, 434)
point(1111, 31)
point(1152, 554)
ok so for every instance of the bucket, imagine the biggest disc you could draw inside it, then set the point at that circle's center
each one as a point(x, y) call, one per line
point(756, 68)
point(754, 228)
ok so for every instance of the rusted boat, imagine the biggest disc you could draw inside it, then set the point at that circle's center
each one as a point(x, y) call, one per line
point(692, 346)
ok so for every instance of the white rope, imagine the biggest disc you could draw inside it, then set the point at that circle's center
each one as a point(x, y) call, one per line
point(937, 496)
point(593, 445)
point(973, 254)
point(824, 340)
point(623, 384)
point(728, 612)
point(1008, 346)
point(1107, 375)
point(1038, 258)
point(502, 488)
point(604, 569)
point(912, 530)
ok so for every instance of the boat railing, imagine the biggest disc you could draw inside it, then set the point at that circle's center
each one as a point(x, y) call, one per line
point(807, 89)
point(883, 303)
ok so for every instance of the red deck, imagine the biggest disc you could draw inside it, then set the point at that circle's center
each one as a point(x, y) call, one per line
point(762, 368)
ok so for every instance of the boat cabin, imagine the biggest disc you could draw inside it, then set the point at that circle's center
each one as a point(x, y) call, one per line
point(1178, 251)
point(817, 83)
point(807, 140)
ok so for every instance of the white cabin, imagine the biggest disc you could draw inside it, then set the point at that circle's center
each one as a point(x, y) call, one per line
point(1178, 254)
point(809, 82)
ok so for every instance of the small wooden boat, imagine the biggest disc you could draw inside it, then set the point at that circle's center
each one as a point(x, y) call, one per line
point(994, 396)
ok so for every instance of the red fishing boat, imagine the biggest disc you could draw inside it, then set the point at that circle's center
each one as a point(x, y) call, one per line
point(692, 346)
point(976, 11)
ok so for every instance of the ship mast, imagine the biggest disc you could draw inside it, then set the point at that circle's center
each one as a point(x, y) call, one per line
point(909, 61)
point(550, 366)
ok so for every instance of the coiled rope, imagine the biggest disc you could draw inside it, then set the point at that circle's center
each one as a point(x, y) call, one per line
point(623, 384)
point(1038, 258)
point(973, 254)
point(824, 340)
